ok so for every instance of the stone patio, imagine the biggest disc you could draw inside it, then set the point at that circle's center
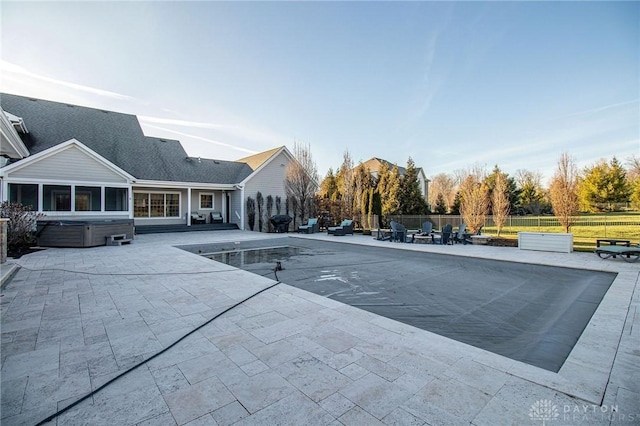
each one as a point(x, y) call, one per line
point(74, 319)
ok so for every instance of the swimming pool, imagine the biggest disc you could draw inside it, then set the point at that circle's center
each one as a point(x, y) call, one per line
point(530, 313)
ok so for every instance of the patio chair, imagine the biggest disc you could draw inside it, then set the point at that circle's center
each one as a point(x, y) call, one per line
point(443, 237)
point(628, 254)
point(216, 217)
point(346, 227)
point(311, 227)
point(198, 218)
point(460, 236)
point(398, 232)
point(427, 228)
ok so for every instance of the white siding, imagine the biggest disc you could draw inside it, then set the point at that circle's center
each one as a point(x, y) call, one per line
point(71, 164)
point(269, 181)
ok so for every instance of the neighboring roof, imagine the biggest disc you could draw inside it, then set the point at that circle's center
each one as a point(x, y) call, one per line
point(118, 138)
point(374, 164)
point(257, 160)
point(11, 145)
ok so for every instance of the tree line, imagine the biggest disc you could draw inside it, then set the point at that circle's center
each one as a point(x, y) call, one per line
point(354, 192)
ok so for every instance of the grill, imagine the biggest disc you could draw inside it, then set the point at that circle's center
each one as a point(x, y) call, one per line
point(281, 222)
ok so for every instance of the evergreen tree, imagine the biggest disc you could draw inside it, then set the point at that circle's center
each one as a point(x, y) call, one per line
point(391, 196)
point(441, 206)
point(603, 183)
point(411, 200)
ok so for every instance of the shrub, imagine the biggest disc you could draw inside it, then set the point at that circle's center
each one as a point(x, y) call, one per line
point(21, 227)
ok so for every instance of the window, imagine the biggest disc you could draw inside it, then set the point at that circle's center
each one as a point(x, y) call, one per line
point(140, 204)
point(206, 201)
point(88, 198)
point(27, 195)
point(56, 198)
point(116, 199)
point(156, 204)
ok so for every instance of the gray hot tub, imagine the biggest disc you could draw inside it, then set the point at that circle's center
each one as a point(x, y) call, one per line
point(81, 233)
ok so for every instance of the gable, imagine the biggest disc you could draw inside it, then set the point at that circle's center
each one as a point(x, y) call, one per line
point(71, 163)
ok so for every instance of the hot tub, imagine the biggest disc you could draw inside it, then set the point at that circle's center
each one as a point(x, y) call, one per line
point(81, 233)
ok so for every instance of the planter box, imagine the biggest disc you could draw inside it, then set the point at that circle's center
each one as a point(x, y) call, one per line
point(543, 241)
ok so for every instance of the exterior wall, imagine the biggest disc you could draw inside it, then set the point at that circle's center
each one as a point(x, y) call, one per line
point(236, 209)
point(217, 202)
point(269, 181)
point(71, 164)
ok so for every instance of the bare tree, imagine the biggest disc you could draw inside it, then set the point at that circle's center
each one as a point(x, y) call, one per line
point(500, 201)
point(474, 203)
point(633, 172)
point(563, 191)
point(442, 185)
point(301, 180)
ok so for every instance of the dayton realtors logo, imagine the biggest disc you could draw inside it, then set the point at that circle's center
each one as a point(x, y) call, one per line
point(543, 410)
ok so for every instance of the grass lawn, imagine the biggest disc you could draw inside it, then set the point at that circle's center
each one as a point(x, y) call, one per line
point(586, 230)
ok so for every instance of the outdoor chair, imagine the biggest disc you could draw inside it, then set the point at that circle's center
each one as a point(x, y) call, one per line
point(216, 217)
point(459, 237)
point(427, 228)
point(198, 218)
point(346, 227)
point(443, 237)
point(398, 232)
point(311, 227)
point(627, 253)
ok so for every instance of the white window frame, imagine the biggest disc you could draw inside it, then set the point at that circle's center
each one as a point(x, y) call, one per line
point(165, 193)
point(213, 201)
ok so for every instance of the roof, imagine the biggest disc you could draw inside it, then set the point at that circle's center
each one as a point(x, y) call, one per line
point(118, 138)
point(375, 163)
point(257, 160)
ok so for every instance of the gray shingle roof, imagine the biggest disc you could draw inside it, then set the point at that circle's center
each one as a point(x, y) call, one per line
point(118, 138)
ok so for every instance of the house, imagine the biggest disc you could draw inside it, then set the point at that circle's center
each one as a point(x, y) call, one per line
point(79, 163)
point(374, 164)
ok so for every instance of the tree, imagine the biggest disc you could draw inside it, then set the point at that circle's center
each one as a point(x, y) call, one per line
point(260, 204)
point(474, 202)
point(329, 187)
point(603, 183)
point(499, 201)
point(346, 188)
point(412, 201)
point(563, 191)
point(251, 212)
point(531, 194)
point(441, 206)
point(390, 193)
point(633, 175)
point(278, 204)
point(269, 210)
point(511, 189)
point(442, 185)
point(301, 178)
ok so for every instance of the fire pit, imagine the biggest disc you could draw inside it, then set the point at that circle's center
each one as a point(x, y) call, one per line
point(281, 222)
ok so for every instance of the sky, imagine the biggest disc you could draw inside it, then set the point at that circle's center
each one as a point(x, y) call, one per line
point(453, 85)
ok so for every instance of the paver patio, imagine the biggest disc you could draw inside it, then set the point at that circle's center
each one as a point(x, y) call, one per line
point(74, 319)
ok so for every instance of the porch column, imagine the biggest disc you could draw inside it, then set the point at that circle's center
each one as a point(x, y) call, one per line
point(224, 207)
point(189, 206)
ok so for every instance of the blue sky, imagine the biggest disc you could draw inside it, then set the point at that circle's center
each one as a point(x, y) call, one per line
point(451, 84)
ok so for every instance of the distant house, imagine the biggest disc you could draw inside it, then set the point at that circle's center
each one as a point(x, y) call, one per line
point(374, 164)
point(74, 162)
